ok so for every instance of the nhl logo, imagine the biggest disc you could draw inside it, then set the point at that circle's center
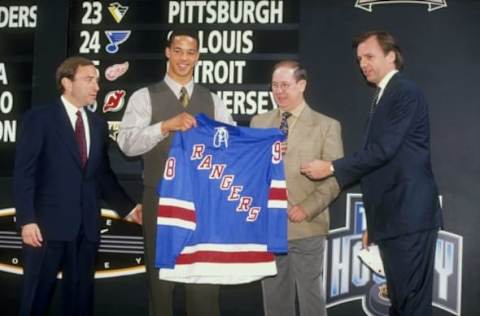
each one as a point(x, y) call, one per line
point(120, 251)
point(348, 279)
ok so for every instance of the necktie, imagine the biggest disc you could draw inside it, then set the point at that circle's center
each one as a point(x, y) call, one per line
point(373, 106)
point(284, 123)
point(184, 99)
point(80, 138)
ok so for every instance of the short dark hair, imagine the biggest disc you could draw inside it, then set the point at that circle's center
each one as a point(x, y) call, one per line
point(386, 41)
point(68, 69)
point(300, 73)
point(183, 32)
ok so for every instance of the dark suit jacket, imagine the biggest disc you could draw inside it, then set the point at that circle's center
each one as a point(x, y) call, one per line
point(394, 167)
point(50, 187)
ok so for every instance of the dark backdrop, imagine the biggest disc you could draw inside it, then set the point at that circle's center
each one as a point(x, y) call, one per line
point(441, 49)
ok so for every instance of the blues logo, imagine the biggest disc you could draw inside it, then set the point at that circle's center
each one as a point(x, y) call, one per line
point(116, 38)
point(348, 279)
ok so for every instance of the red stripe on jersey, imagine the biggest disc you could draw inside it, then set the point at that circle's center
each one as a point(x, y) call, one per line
point(277, 194)
point(176, 212)
point(225, 257)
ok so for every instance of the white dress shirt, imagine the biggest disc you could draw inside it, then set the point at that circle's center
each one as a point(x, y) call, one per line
point(383, 83)
point(72, 115)
point(137, 136)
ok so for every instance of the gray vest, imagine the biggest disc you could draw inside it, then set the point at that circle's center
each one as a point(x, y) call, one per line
point(165, 105)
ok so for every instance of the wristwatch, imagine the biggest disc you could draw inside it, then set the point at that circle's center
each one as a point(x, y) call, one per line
point(332, 169)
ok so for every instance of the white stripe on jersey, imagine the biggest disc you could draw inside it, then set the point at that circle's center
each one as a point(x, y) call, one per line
point(277, 204)
point(278, 184)
point(176, 202)
point(219, 273)
point(169, 221)
point(225, 248)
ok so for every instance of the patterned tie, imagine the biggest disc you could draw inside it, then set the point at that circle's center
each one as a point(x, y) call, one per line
point(184, 99)
point(80, 138)
point(373, 106)
point(284, 123)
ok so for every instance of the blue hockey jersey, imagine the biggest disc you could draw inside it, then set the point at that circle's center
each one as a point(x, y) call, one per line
point(223, 205)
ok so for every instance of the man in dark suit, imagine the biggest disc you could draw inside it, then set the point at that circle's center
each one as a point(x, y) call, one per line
point(61, 171)
point(399, 190)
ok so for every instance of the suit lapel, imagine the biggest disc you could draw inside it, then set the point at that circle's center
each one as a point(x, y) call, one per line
point(382, 104)
point(296, 134)
point(387, 92)
point(95, 140)
point(273, 120)
point(300, 130)
point(66, 132)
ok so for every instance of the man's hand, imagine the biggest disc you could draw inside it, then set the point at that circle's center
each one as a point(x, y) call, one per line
point(317, 169)
point(365, 242)
point(297, 214)
point(135, 215)
point(181, 122)
point(31, 235)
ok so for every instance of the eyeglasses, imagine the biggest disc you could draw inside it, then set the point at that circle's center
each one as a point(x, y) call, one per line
point(281, 85)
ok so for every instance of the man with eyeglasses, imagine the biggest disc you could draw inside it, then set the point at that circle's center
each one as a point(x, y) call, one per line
point(310, 135)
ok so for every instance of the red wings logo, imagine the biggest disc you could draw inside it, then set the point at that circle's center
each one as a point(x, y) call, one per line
point(113, 72)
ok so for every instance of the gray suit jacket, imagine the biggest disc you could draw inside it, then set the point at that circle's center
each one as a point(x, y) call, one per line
point(314, 136)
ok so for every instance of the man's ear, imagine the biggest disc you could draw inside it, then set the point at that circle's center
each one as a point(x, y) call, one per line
point(302, 84)
point(167, 52)
point(391, 57)
point(67, 84)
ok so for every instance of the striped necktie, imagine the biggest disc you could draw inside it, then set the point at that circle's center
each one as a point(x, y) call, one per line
point(184, 99)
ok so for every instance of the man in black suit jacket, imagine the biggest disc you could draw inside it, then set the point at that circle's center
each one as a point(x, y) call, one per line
point(61, 171)
point(399, 190)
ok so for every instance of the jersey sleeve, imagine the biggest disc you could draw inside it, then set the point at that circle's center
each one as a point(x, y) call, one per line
point(277, 204)
point(176, 219)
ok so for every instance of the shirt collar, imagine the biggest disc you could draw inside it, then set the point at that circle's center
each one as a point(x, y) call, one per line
point(70, 108)
point(176, 87)
point(383, 83)
point(297, 111)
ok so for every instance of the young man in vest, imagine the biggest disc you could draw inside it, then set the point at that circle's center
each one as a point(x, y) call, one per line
point(152, 116)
